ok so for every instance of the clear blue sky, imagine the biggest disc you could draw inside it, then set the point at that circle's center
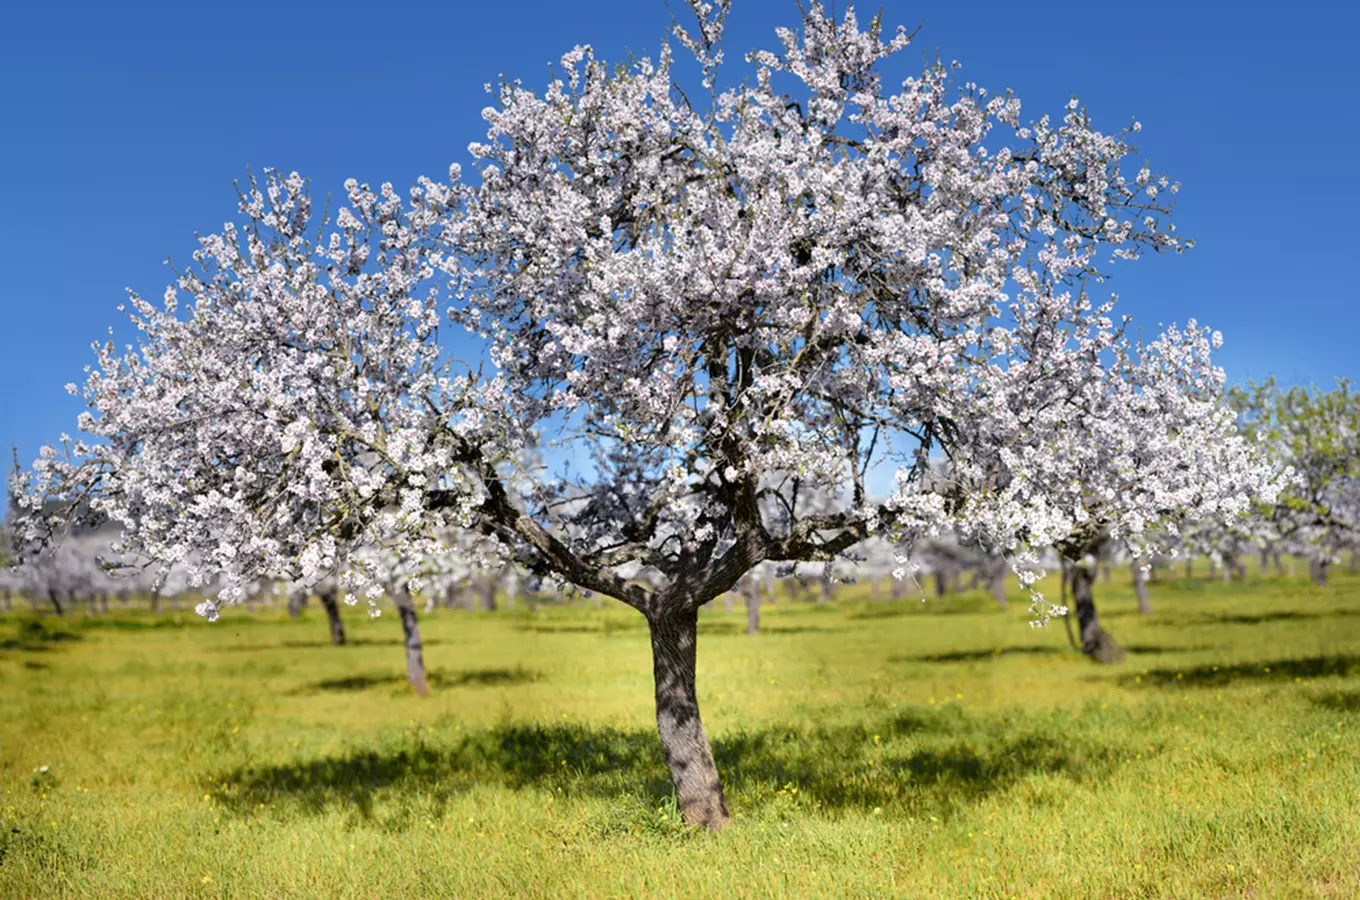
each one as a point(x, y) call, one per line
point(123, 125)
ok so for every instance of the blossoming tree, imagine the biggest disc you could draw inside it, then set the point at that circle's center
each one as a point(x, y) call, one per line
point(806, 280)
point(1317, 434)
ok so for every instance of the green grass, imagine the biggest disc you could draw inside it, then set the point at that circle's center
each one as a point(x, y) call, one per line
point(898, 748)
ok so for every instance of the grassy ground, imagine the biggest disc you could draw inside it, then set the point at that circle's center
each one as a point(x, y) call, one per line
point(896, 748)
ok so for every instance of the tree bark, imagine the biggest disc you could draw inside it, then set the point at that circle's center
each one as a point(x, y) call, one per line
point(1140, 588)
point(1317, 567)
point(410, 629)
point(688, 755)
point(752, 594)
point(998, 580)
point(333, 616)
point(1096, 642)
point(489, 595)
point(294, 605)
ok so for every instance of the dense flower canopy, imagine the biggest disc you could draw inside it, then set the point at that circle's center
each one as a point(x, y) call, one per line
point(727, 309)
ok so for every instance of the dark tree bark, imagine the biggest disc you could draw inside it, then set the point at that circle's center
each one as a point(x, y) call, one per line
point(410, 629)
point(751, 592)
point(55, 597)
point(698, 791)
point(1140, 588)
point(1096, 642)
point(332, 608)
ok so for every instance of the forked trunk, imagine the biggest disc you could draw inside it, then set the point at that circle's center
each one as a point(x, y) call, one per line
point(333, 616)
point(1140, 588)
point(1096, 642)
point(683, 741)
point(410, 629)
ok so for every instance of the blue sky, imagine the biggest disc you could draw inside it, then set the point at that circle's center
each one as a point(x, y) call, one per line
point(123, 126)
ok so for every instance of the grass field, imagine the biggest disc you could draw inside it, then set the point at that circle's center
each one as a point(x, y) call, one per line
point(897, 748)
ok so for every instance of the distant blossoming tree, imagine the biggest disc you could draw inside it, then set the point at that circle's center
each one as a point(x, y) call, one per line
point(1317, 434)
point(808, 282)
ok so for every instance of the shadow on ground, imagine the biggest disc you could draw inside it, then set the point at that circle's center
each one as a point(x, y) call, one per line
point(906, 765)
point(1267, 670)
point(981, 655)
point(33, 636)
point(437, 679)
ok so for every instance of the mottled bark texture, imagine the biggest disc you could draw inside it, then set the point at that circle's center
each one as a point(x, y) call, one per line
point(1096, 642)
point(683, 741)
point(410, 629)
point(1140, 588)
point(333, 616)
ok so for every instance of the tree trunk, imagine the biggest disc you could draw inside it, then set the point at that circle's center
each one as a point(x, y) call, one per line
point(828, 589)
point(489, 595)
point(727, 601)
point(1317, 567)
point(1140, 588)
point(998, 580)
point(410, 628)
point(897, 588)
point(1189, 568)
point(4, 595)
point(55, 597)
point(333, 616)
point(752, 594)
point(103, 604)
point(941, 582)
point(1354, 565)
point(1096, 642)
point(683, 741)
point(1105, 575)
point(294, 605)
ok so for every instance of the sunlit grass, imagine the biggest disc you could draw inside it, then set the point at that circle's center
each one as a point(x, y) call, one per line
point(891, 748)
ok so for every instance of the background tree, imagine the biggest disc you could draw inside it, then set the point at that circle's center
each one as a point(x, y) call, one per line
point(692, 297)
point(1317, 434)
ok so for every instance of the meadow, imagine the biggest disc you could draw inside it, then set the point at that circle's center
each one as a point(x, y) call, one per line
point(886, 748)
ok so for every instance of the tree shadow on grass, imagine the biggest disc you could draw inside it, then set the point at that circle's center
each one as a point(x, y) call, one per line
point(930, 762)
point(319, 643)
point(1220, 675)
point(33, 636)
point(981, 655)
point(1280, 615)
point(1340, 701)
point(437, 679)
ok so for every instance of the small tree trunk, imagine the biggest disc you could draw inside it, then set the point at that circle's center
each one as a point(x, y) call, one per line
point(1354, 565)
point(998, 581)
point(294, 605)
point(873, 588)
point(941, 582)
point(688, 755)
point(1096, 642)
point(410, 629)
point(4, 595)
point(489, 595)
point(104, 604)
point(898, 588)
point(1105, 575)
point(333, 616)
point(55, 597)
point(827, 587)
point(752, 595)
point(1140, 588)
point(1318, 567)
